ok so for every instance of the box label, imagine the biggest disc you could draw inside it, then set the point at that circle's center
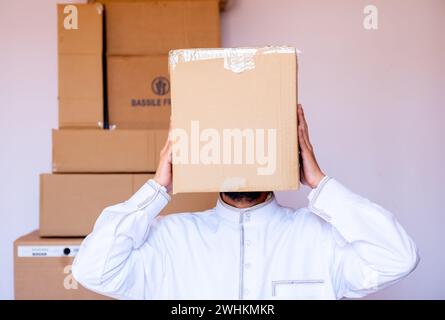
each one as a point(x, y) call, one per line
point(158, 102)
point(160, 87)
point(46, 251)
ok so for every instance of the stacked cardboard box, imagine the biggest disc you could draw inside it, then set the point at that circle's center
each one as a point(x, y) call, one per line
point(137, 62)
point(94, 167)
point(71, 203)
point(42, 269)
point(80, 47)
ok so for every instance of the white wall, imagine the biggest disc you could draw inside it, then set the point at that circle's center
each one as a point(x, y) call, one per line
point(28, 111)
point(374, 101)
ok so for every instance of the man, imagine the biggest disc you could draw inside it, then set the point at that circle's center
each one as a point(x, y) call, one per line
point(248, 246)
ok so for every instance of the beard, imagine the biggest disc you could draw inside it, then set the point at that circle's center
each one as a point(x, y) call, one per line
point(243, 196)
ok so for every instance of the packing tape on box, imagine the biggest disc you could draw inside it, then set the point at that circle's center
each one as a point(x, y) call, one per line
point(99, 8)
point(235, 59)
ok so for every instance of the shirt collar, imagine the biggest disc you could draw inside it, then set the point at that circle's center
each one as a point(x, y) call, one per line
point(256, 213)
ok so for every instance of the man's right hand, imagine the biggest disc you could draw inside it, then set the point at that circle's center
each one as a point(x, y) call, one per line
point(163, 174)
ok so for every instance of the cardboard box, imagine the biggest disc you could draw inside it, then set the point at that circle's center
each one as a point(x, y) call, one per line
point(151, 28)
point(42, 269)
point(71, 203)
point(81, 113)
point(138, 92)
point(80, 28)
point(240, 132)
point(101, 151)
point(222, 3)
point(80, 48)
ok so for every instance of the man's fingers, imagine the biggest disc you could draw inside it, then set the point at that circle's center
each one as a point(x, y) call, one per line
point(166, 151)
point(169, 138)
point(302, 140)
point(300, 114)
point(301, 130)
point(167, 142)
point(303, 123)
point(301, 119)
point(300, 127)
point(306, 137)
point(169, 151)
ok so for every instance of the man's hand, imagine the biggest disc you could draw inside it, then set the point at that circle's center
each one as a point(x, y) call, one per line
point(310, 172)
point(163, 174)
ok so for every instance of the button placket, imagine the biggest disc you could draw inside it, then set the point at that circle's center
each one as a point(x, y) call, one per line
point(248, 262)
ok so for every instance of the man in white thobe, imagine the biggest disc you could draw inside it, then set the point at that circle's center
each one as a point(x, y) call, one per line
point(247, 246)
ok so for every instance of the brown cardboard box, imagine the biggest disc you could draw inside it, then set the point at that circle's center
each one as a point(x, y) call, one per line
point(71, 203)
point(138, 92)
point(86, 36)
point(80, 48)
point(81, 113)
point(222, 3)
point(42, 269)
point(240, 132)
point(101, 151)
point(147, 28)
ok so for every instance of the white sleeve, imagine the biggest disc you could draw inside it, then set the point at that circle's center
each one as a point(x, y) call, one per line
point(371, 250)
point(118, 258)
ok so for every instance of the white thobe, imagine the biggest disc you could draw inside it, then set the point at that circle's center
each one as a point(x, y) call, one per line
point(342, 245)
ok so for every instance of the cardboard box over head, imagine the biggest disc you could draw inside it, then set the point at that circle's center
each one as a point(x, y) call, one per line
point(234, 119)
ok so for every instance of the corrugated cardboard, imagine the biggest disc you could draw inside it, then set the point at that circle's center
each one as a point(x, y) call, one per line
point(222, 3)
point(86, 151)
point(81, 113)
point(80, 49)
point(71, 203)
point(251, 89)
point(147, 28)
point(138, 92)
point(42, 269)
point(87, 38)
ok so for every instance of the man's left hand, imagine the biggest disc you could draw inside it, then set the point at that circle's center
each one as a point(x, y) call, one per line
point(310, 172)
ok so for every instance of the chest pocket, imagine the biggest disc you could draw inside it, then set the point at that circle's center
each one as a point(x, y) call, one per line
point(298, 289)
